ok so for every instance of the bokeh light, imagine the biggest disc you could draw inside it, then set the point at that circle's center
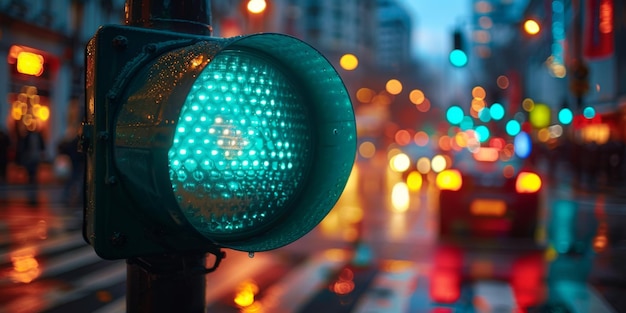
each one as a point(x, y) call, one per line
point(497, 111)
point(423, 165)
point(439, 163)
point(417, 96)
point(400, 162)
point(393, 86)
point(349, 62)
point(566, 116)
point(403, 137)
point(589, 112)
point(414, 181)
point(531, 27)
point(367, 149)
point(454, 115)
point(421, 138)
point(540, 115)
point(503, 82)
point(479, 93)
point(523, 145)
point(513, 127)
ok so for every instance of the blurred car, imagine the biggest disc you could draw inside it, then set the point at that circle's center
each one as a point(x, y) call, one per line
point(488, 193)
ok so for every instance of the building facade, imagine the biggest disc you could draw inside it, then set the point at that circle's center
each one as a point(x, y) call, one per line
point(42, 70)
point(42, 47)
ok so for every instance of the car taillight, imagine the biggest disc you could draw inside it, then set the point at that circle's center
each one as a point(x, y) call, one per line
point(449, 180)
point(527, 182)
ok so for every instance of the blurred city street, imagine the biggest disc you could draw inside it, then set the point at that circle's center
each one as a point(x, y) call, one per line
point(371, 254)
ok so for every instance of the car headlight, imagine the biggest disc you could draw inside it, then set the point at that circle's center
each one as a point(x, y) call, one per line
point(449, 179)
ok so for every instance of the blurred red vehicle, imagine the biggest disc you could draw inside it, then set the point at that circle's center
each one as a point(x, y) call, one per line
point(490, 195)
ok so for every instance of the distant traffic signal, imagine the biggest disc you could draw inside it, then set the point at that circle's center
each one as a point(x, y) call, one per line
point(458, 55)
point(196, 142)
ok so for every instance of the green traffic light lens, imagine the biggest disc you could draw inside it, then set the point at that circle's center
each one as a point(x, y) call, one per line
point(458, 58)
point(242, 146)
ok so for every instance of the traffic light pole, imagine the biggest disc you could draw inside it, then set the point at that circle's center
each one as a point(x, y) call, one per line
point(167, 283)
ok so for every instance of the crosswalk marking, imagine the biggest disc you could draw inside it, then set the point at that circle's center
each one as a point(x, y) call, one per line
point(493, 296)
point(60, 295)
point(581, 298)
point(48, 246)
point(391, 289)
point(300, 284)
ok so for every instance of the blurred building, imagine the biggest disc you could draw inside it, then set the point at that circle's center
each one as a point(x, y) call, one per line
point(378, 31)
point(41, 77)
point(41, 81)
point(575, 61)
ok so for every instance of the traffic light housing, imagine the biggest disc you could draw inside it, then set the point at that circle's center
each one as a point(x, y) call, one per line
point(196, 142)
point(458, 56)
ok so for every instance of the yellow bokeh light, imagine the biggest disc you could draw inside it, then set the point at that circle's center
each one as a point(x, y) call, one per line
point(25, 266)
point(540, 115)
point(42, 112)
point(400, 197)
point(416, 96)
point(527, 182)
point(29, 63)
point(438, 163)
point(400, 162)
point(245, 293)
point(414, 181)
point(532, 27)
point(349, 62)
point(478, 104)
point(256, 6)
point(393, 86)
point(528, 104)
point(449, 179)
point(365, 95)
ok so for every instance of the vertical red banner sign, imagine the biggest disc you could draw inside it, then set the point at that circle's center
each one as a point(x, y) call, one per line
point(599, 40)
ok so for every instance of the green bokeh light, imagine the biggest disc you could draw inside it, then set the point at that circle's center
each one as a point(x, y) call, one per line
point(458, 58)
point(454, 115)
point(589, 112)
point(241, 146)
point(483, 133)
point(566, 116)
point(497, 111)
point(513, 127)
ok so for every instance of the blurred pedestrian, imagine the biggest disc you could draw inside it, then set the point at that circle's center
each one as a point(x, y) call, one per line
point(72, 192)
point(32, 153)
point(5, 143)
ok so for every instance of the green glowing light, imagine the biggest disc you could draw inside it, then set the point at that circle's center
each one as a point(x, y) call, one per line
point(497, 111)
point(458, 58)
point(454, 115)
point(241, 147)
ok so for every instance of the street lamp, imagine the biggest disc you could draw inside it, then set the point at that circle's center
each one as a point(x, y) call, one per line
point(531, 27)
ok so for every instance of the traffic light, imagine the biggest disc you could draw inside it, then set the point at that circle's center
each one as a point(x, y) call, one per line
point(196, 142)
point(458, 56)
